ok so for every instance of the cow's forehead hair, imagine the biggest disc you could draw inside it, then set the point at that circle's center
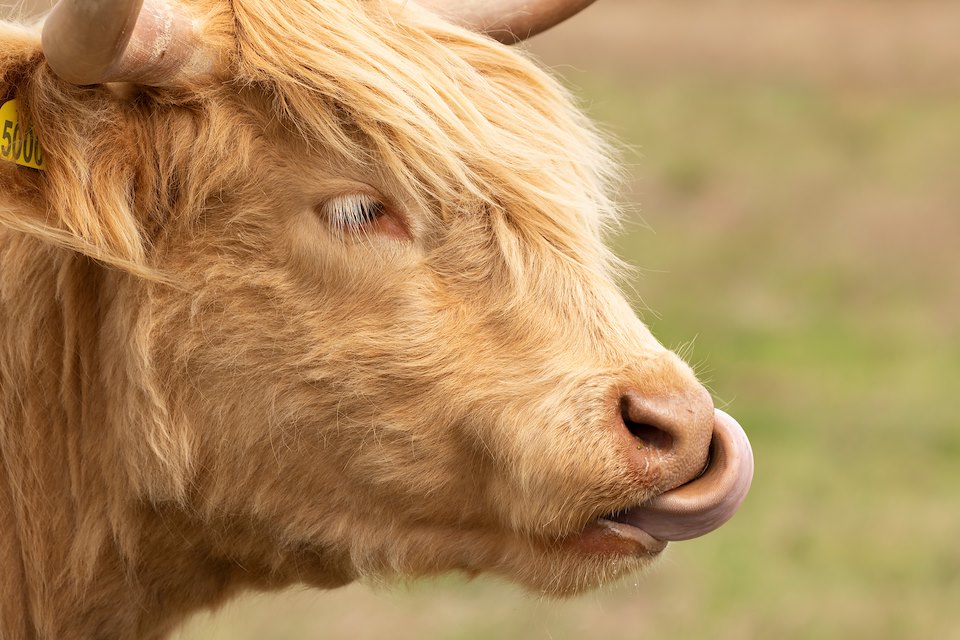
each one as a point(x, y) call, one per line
point(455, 118)
point(457, 121)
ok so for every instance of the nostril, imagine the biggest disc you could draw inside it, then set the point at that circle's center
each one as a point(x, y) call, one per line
point(646, 433)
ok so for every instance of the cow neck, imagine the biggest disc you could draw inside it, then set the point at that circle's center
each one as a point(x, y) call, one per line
point(79, 556)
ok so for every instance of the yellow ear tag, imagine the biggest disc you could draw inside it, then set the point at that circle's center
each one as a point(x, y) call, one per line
point(16, 144)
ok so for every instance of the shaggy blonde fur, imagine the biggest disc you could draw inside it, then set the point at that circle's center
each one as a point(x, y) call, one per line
point(205, 386)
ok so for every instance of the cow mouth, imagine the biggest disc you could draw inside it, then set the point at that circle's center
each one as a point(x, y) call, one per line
point(688, 511)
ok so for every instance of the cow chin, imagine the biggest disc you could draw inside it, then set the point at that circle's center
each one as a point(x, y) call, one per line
point(574, 564)
point(579, 563)
point(567, 575)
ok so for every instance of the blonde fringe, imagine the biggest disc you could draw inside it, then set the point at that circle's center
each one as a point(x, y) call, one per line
point(459, 121)
point(454, 116)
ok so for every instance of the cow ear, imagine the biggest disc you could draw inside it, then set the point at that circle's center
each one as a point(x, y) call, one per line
point(76, 190)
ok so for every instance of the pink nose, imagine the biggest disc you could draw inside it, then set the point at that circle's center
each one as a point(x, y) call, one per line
point(670, 434)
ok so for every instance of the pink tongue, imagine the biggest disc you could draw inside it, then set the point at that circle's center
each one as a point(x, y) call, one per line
point(705, 503)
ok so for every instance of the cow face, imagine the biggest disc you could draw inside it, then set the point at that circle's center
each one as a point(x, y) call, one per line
point(388, 335)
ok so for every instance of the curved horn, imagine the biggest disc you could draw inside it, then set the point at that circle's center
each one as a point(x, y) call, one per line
point(508, 21)
point(94, 41)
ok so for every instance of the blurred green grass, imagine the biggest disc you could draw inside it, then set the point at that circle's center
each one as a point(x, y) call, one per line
point(795, 223)
point(808, 237)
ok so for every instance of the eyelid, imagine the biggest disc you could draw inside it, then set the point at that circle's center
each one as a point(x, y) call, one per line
point(353, 210)
point(348, 213)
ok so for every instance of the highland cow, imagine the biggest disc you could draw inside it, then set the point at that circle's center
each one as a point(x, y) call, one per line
point(314, 291)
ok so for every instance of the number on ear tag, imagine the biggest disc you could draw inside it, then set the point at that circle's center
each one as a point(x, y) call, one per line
point(17, 142)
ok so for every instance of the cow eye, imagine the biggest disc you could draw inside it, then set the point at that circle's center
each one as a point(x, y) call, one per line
point(362, 214)
point(353, 212)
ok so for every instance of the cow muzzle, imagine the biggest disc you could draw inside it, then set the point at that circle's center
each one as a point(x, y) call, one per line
point(697, 458)
point(705, 502)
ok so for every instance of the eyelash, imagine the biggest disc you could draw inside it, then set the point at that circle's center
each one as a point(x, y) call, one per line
point(353, 212)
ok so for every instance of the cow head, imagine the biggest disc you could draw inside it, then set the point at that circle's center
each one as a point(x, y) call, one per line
point(362, 321)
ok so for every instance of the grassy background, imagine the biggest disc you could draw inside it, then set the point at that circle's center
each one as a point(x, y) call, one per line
point(793, 178)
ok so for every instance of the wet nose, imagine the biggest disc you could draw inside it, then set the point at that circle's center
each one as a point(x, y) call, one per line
point(671, 430)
